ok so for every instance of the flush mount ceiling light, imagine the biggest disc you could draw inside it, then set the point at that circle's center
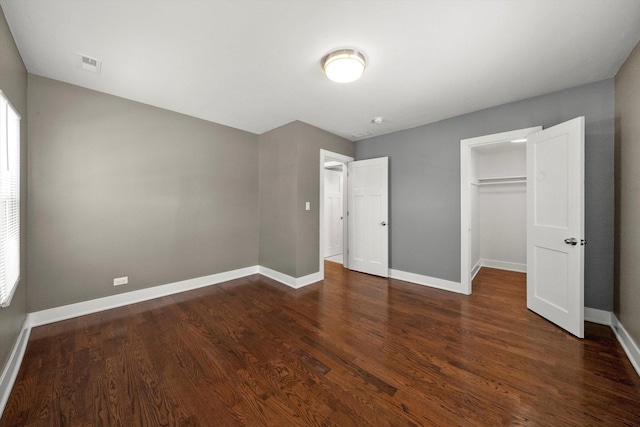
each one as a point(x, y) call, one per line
point(344, 66)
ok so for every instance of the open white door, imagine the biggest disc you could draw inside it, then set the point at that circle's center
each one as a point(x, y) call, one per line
point(555, 225)
point(333, 212)
point(368, 216)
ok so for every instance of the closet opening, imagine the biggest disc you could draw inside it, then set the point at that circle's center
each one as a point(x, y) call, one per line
point(493, 204)
point(553, 243)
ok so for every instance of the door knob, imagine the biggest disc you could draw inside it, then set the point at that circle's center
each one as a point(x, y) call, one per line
point(572, 241)
point(383, 223)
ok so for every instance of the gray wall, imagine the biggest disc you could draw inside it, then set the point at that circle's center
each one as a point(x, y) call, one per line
point(119, 188)
point(310, 141)
point(278, 199)
point(13, 82)
point(424, 175)
point(289, 177)
point(627, 289)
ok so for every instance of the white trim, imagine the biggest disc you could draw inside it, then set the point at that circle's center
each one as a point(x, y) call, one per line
point(595, 315)
point(326, 156)
point(290, 281)
point(504, 265)
point(308, 279)
point(285, 279)
point(6, 98)
point(465, 197)
point(476, 268)
point(629, 346)
point(432, 282)
point(56, 314)
point(11, 369)
point(11, 257)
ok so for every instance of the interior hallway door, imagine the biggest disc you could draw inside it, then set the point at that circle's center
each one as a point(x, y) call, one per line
point(368, 216)
point(333, 187)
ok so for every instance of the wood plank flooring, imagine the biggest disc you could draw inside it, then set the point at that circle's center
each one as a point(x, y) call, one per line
point(356, 350)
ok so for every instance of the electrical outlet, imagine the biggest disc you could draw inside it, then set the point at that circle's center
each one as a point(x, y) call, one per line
point(118, 281)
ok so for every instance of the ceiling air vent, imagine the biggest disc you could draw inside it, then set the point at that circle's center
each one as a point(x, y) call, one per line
point(361, 134)
point(90, 64)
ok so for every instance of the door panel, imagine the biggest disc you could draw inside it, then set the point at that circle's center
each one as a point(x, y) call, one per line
point(368, 216)
point(376, 251)
point(358, 212)
point(333, 213)
point(555, 212)
point(552, 181)
point(552, 270)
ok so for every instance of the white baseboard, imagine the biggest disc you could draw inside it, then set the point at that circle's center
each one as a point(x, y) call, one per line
point(308, 279)
point(10, 372)
point(503, 265)
point(56, 314)
point(432, 282)
point(629, 346)
point(290, 281)
point(600, 317)
point(476, 269)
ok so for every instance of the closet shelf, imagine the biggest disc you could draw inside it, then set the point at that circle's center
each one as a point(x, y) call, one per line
point(501, 180)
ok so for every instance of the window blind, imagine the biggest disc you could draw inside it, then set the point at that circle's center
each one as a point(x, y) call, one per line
point(9, 200)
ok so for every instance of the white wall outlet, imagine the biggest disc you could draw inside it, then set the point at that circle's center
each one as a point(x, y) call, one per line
point(118, 281)
point(307, 206)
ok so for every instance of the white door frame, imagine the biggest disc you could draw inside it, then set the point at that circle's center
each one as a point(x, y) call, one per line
point(466, 145)
point(326, 156)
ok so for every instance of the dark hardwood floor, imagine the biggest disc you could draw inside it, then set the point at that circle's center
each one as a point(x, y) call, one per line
point(354, 350)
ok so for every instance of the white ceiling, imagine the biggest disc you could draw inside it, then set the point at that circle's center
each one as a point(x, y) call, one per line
point(255, 65)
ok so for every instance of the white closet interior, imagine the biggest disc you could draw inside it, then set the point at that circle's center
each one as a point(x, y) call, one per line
point(498, 206)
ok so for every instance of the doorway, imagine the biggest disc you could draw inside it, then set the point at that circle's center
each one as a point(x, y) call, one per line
point(335, 161)
point(334, 174)
point(365, 231)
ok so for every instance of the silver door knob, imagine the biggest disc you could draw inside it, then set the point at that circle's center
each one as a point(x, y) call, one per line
point(383, 223)
point(572, 241)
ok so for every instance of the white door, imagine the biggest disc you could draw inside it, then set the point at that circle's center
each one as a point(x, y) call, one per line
point(555, 224)
point(368, 216)
point(333, 212)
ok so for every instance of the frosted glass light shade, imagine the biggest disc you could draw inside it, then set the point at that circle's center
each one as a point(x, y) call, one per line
point(344, 66)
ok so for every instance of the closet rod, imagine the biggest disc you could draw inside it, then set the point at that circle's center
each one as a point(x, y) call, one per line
point(502, 180)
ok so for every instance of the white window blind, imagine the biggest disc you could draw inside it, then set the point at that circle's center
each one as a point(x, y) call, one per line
point(9, 200)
